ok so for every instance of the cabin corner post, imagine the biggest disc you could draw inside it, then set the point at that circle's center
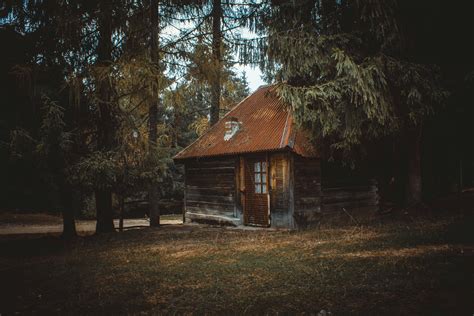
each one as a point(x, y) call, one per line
point(242, 188)
point(237, 199)
point(279, 189)
point(291, 185)
point(184, 194)
point(269, 189)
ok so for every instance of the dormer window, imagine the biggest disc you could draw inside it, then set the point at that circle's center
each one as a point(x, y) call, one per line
point(232, 126)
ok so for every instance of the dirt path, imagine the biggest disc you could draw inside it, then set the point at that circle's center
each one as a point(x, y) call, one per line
point(84, 227)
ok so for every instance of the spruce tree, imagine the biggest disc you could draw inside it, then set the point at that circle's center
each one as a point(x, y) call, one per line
point(344, 69)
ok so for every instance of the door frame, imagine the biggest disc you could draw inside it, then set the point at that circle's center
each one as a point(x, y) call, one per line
point(247, 190)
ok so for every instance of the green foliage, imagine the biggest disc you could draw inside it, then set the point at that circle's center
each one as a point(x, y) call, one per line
point(187, 104)
point(342, 70)
point(111, 170)
point(21, 143)
point(348, 68)
point(53, 134)
point(53, 142)
point(99, 170)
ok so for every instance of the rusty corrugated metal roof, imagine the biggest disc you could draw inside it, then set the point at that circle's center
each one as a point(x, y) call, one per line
point(266, 125)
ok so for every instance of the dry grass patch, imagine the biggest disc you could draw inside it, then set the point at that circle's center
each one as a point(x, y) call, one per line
point(397, 267)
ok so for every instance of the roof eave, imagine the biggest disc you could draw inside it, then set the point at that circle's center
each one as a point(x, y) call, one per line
point(286, 148)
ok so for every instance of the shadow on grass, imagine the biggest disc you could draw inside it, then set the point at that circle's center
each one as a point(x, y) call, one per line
point(32, 245)
point(395, 268)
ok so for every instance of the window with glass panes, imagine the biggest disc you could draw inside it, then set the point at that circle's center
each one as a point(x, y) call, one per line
point(260, 176)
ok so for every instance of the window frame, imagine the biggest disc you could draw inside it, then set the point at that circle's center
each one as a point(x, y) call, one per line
point(260, 187)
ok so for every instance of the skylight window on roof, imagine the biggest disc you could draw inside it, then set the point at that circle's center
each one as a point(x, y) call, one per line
point(232, 126)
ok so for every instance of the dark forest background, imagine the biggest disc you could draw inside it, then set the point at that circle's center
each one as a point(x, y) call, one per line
point(95, 99)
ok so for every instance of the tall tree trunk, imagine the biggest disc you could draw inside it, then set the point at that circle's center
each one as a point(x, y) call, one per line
point(153, 194)
point(413, 189)
point(216, 56)
point(106, 128)
point(122, 211)
point(103, 202)
point(69, 223)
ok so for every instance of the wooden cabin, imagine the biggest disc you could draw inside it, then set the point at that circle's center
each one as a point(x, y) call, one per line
point(254, 167)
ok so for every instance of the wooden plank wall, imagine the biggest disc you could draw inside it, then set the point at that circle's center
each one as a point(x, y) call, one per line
point(280, 194)
point(348, 188)
point(211, 186)
point(307, 190)
point(354, 197)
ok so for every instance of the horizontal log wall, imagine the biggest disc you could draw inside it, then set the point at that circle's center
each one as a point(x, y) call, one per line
point(351, 198)
point(211, 186)
point(307, 190)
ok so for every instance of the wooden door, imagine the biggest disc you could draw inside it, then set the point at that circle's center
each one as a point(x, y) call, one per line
point(256, 210)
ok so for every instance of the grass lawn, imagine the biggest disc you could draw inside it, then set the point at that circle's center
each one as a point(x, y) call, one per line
point(416, 266)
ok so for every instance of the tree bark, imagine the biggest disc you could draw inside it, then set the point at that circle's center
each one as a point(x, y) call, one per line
point(103, 202)
point(414, 184)
point(216, 56)
point(105, 128)
point(69, 223)
point(122, 206)
point(153, 194)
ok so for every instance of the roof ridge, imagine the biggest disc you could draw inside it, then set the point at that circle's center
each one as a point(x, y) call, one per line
point(267, 128)
point(214, 126)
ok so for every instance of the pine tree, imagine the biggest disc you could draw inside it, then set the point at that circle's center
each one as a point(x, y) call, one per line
point(343, 68)
point(153, 110)
point(217, 62)
point(218, 24)
point(106, 127)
